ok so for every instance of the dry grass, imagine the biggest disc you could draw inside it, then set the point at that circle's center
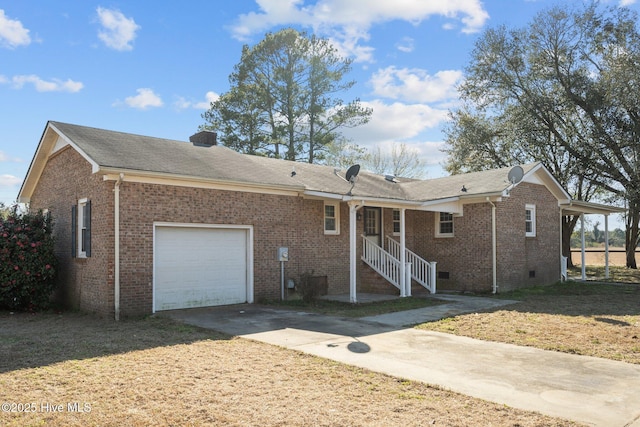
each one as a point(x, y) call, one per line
point(617, 274)
point(156, 372)
point(595, 256)
point(594, 319)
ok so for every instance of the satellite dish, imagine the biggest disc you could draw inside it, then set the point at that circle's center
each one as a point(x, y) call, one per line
point(352, 173)
point(515, 175)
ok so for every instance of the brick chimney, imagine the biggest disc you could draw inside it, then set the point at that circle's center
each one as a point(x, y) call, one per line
point(204, 138)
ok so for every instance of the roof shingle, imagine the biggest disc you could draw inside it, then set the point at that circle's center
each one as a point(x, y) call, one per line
point(129, 152)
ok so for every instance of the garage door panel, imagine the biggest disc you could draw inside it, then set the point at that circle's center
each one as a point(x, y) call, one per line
point(198, 267)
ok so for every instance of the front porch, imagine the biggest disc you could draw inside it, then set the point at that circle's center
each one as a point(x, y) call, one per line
point(389, 257)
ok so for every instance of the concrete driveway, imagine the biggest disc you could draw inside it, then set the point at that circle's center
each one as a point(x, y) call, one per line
point(589, 390)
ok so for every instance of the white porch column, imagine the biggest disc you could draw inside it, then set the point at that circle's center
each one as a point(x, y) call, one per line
point(405, 288)
point(583, 267)
point(606, 246)
point(352, 252)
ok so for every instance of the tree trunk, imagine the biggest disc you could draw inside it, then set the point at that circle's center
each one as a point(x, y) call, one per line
point(631, 234)
point(568, 225)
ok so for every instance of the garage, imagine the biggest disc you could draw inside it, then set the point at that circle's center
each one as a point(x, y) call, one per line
point(201, 266)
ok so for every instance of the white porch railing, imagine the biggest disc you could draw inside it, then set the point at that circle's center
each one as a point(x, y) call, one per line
point(381, 261)
point(422, 271)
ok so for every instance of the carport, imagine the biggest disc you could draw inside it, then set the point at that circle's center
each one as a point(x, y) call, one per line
point(581, 208)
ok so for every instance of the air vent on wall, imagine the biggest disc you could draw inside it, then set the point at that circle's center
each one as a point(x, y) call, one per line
point(443, 274)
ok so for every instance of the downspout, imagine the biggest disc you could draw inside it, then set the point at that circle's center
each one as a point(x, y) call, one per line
point(116, 220)
point(494, 251)
point(352, 252)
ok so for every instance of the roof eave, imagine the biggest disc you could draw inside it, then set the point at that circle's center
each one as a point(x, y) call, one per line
point(46, 145)
point(133, 175)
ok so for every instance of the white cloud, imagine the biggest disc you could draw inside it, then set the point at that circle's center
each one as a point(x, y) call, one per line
point(12, 33)
point(54, 85)
point(347, 22)
point(395, 122)
point(144, 99)
point(626, 3)
point(416, 85)
point(210, 97)
point(118, 31)
point(406, 45)
point(5, 158)
point(413, 125)
point(9, 181)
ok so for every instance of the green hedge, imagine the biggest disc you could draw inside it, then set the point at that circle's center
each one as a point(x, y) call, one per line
point(27, 260)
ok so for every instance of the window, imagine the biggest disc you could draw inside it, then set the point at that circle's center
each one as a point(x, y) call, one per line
point(444, 224)
point(81, 229)
point(331, 218)
point(396, 222)
point(530, 220)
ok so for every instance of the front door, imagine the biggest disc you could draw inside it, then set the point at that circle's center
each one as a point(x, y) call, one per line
point(373, 225)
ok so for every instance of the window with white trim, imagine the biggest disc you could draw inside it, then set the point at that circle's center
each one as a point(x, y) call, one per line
point(530, 220)
point(81, 229)
point(396, 222)
point(331, 218)
point(444, 224)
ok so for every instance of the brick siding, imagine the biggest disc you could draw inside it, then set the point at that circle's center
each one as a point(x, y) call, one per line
point(295, 222)
point(83, 283)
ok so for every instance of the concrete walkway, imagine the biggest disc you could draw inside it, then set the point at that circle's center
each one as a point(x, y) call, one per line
point(589, 390)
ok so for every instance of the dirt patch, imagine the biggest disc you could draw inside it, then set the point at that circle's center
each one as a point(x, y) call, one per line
point(581, 318)
point(75, 370)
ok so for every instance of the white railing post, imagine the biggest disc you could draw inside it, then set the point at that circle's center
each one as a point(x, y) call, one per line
point(382, 262)
point(407, 279)
point(432, 277)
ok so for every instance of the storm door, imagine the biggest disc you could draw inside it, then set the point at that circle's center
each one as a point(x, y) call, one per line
point(373, 225)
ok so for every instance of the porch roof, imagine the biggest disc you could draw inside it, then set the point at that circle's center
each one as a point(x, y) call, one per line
point(578, 207)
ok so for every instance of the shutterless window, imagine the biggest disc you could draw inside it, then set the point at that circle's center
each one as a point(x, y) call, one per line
point(530, 220)
point(444, 224)
point(331, 218)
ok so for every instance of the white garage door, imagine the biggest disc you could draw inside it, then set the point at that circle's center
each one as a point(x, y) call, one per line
point(200, 267)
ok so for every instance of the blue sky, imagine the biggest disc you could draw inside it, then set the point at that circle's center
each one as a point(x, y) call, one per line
point(152, 70)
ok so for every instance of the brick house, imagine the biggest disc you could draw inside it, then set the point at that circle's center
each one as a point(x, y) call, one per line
point(145, 224)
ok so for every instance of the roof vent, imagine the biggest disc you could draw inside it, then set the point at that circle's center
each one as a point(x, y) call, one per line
point(204, 138)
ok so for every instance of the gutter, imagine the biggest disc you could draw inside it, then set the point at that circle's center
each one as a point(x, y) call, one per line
point(116, 220)
point(494, 249)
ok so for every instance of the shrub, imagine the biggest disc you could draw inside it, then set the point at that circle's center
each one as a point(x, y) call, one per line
point(310, 286)
point(27, 260)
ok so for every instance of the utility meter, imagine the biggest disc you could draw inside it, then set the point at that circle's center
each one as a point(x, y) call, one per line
point(283, 254)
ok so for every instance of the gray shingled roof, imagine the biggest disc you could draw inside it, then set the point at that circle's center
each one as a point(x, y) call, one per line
point(128, 152)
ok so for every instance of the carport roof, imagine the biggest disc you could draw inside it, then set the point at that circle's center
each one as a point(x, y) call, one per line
point(111, 152)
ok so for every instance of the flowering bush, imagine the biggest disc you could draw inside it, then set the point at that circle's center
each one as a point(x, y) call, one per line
point(27, 260)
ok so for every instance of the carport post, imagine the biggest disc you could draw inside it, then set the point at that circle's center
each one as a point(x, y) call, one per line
point(584, 270)
point(606, 246)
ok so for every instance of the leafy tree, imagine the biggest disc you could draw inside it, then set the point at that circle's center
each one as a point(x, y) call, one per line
point(283, 99)
point(343, 154)
point(563, 91)
point(598, 237)
point(27, 261)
